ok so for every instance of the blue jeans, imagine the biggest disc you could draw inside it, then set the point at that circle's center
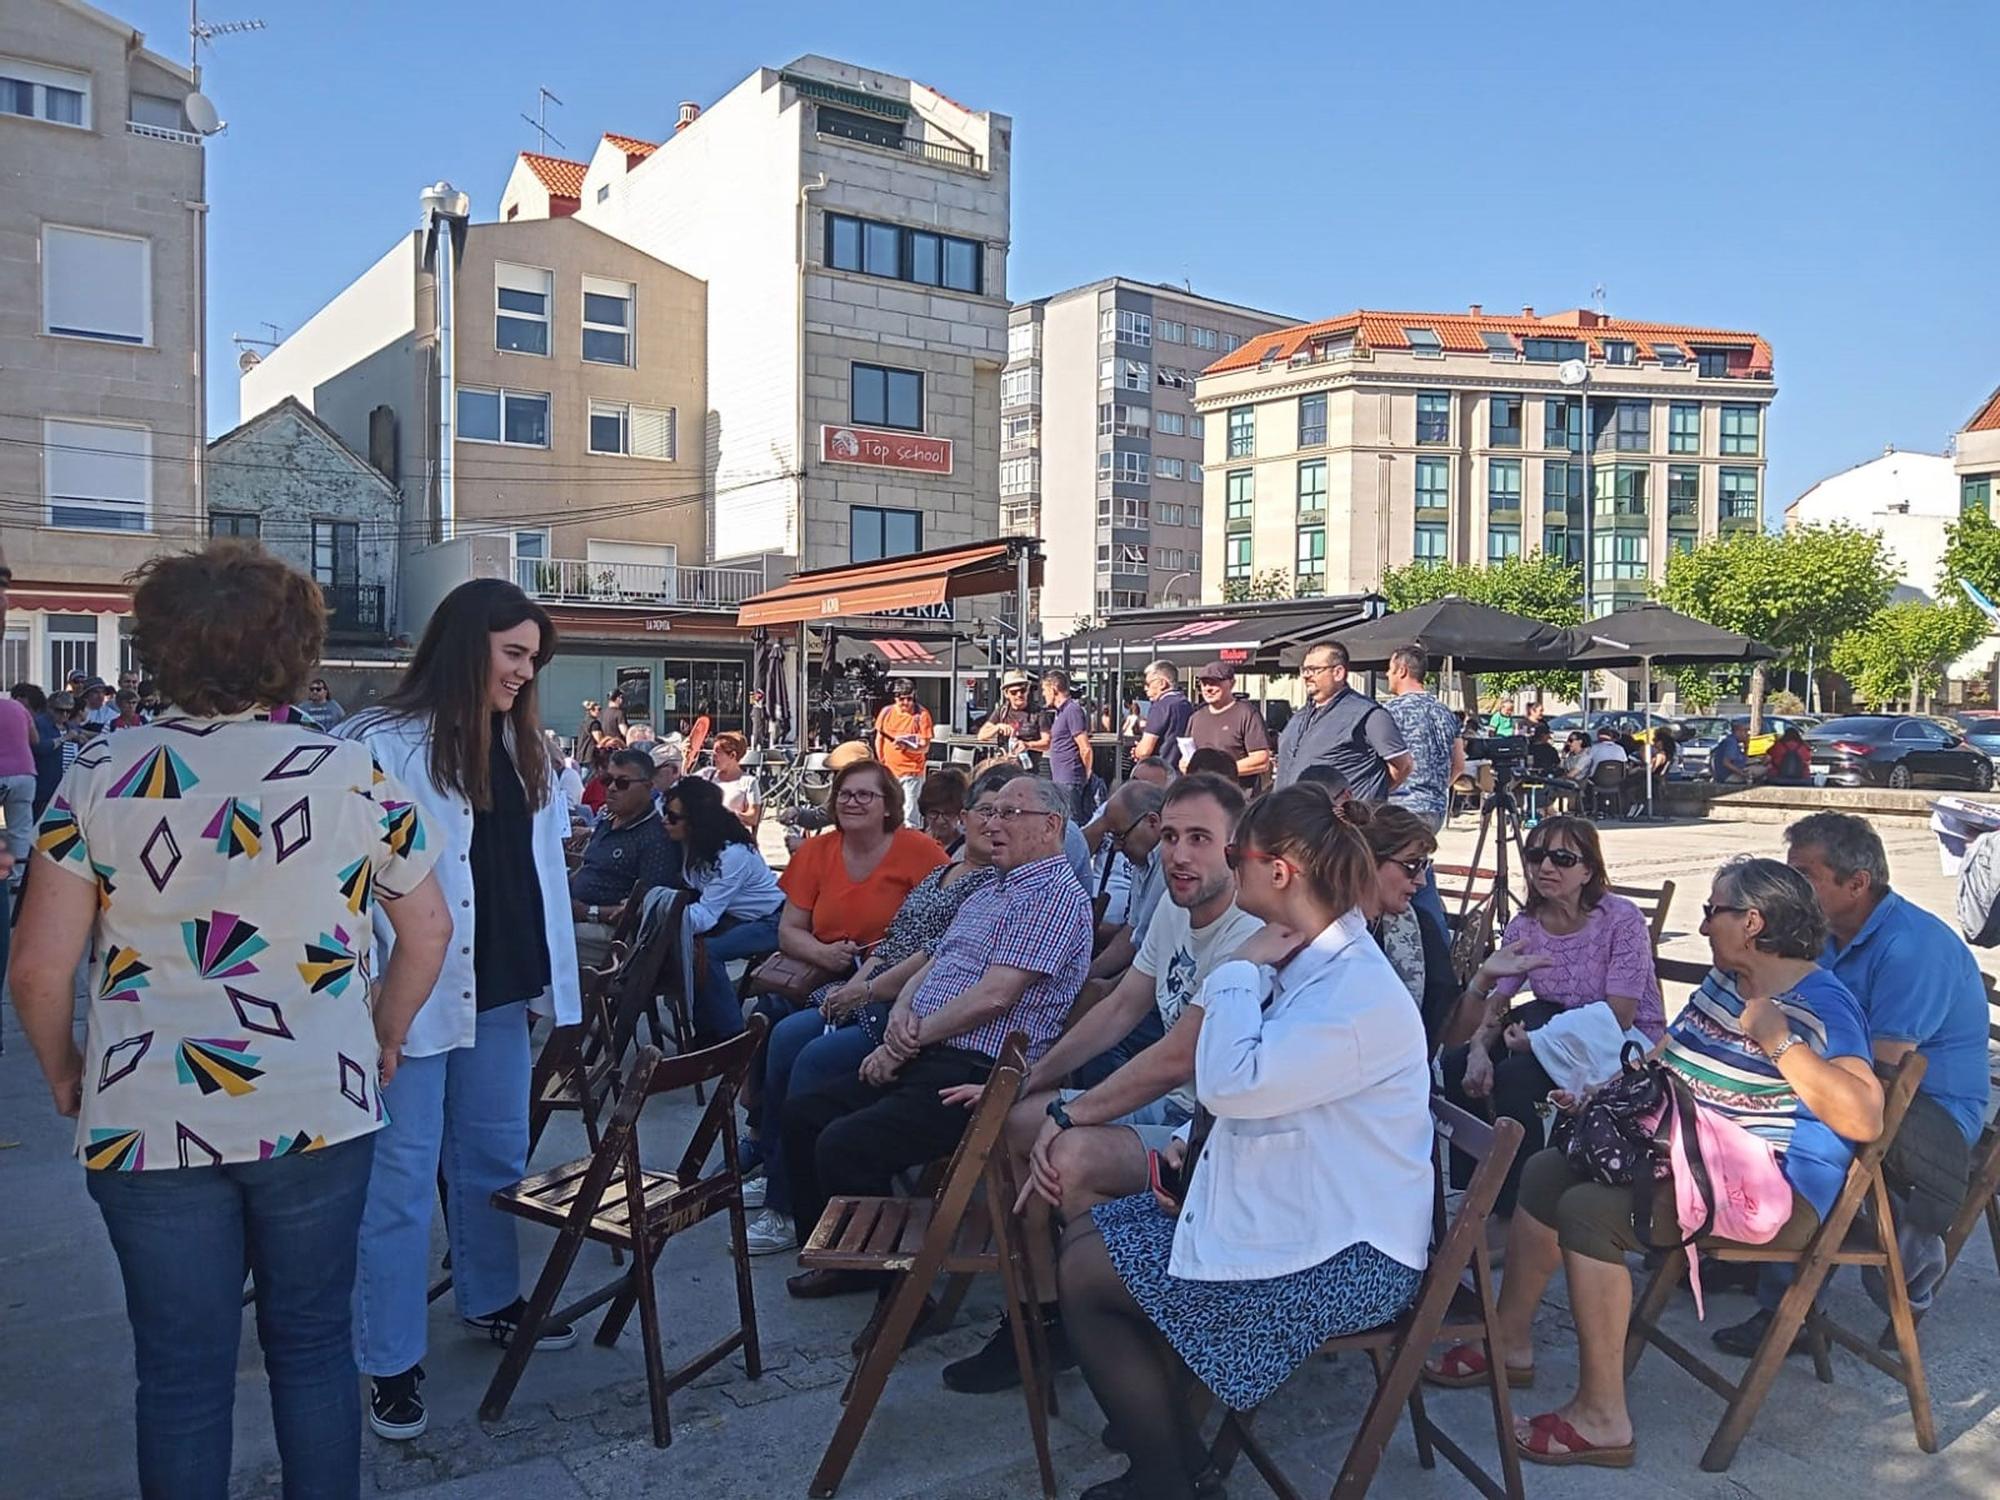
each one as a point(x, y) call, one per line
point(184, 1237)
point(469, 1108)
point(801, 1057)
point(717, 1014)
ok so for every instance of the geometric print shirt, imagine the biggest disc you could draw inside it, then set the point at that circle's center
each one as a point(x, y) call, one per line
point(237, 864)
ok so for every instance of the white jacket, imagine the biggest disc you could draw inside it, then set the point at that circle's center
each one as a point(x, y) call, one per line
point(1322, 1135)
point(401, 746)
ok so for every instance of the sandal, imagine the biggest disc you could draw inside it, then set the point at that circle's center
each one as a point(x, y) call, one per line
point(1464, 1365)
point(1538, 1445)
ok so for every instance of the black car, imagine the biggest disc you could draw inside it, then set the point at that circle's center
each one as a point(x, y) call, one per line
point(1898, 750)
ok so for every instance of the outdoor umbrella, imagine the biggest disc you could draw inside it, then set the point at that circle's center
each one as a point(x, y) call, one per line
point(769, 673)
point(1473, 637)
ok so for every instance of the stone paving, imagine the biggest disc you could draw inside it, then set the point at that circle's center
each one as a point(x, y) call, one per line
point(579, 1427)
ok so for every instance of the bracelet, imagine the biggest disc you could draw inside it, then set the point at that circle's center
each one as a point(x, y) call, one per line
point(1783, 1047)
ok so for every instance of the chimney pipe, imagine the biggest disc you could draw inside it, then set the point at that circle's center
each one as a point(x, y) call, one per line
point(1527, 311)
point(690, 112)
point(1476, 309)
point(445, 213)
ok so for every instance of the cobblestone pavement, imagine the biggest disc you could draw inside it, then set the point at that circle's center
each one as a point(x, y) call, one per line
point(579, 1426)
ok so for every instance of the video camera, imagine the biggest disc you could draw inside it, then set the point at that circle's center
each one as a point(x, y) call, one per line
point(1505, 754)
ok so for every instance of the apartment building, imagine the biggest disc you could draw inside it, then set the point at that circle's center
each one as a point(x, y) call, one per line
point(852, 229)
point(1100, 438)
point(1338, 450)
point(102, 258)
point(1975, 457)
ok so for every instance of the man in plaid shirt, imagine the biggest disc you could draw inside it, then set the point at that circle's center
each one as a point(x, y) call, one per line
point(1012, 960)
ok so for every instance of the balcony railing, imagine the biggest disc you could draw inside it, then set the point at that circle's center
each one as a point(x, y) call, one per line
point(162, 133)
point(355, 608)
point(571, 580)
point(885, 140)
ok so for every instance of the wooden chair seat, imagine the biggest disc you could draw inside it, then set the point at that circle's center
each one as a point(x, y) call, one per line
point(548, 1198)
point(887, 1234)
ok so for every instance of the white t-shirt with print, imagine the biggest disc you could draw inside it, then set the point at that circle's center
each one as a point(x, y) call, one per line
point(1178, 958)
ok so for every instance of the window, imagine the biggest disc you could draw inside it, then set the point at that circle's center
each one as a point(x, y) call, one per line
point(1175, 378)
point(1740, 430)
point(72, 646)
point(1194, 516)
point(97, 286)
point(1312, 560)
point(603, 192)
point(16, 657)
point(1562, 486)
point(881, 397)
point(1312, 420)
point(1433, 417)
point(1632, 427)
point(336, 553)
point(1170, 515)
point(852, 125)
point(1201, 338)
point(1115, 419)
point(1119, 326)
point(1124, 374)
point(1195, 471)
point(1433, 484)
point(1024, 340)
point(1020, 432)
point(1124, 468)
point(1231, 342)
point(918, 255)
point(1620, 352)
point(1503, 421)
point(1621, 489)
point(236, 523)
point(1424, 342)
point(1711, 363)
point(520, 309)
point(1551, 351)
point(98, 476)
point(1239, 497)
point(1242, 431)
point(607, 321)
point(1736, 494)
point(1618, 556)
point(1236, 557)
point(1975, 492)
point(1562, 424)
point(875, 533)
point(1503, 485)
point(533, 545)
point(1683, 492)
point(634, 431)
point(1169, 557)
point(1169, 423)
point(1558, 542)
point(1670, 356)
point(520, 418)
point(1502, 542)
point(1121, 557)
point(39, 93)
point(1123, 511)
point(1019, 476)
point(156, 110)
point(1499, 345)
point(1197, 426)
point(1171, 332)
point(1429, 546)
point(1680, 541)
point(1312, 487)
point(1683, 429)
point(1168, 468)
point(1022, 387)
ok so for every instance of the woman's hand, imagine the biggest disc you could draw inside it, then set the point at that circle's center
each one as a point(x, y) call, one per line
point(1516, 1037)
point(1508, 961)
point(1764, 1023)
point(904, 1034)
point(879, 1068)
point(1043, 1181)
point(1271, 944)
point(1173, 1156)
point(838, 955)
point(845, 1000)
point(1478, 1080)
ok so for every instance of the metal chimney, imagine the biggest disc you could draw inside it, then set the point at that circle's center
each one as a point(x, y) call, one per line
point(445, 212)
point(690, 112)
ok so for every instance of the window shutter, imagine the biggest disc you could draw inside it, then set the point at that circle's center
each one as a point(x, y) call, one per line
point(653, 432)
point(96, 285)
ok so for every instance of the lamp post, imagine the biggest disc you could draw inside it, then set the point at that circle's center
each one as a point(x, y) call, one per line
point(1575, 375)
point(1167, 592)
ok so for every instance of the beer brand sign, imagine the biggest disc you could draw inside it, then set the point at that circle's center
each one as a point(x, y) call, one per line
point(874, 448)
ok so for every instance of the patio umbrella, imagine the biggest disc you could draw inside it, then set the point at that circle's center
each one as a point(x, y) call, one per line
point(1473, 637)
point(768, 672)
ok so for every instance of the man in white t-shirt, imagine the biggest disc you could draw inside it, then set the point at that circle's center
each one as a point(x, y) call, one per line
point(1606, 752)
point(1083, 1147)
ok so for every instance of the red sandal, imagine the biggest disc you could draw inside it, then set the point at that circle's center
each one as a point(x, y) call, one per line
point(1538, 1445)
point(1464, 1365)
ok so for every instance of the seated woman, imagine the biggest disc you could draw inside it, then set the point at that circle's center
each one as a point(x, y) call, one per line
point(1582, 945)
point(739, 789)
point(941, 806)
point(1789, 762)
point(1663, 751)
point(736, 903)
point(1307, 1205)
point(594, 790)
point(846, 1019)
point(1416, 943)
point(1738, 1042)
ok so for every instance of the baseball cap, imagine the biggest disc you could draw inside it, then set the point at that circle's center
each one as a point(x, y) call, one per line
point(1216, 671)
point(665, 752)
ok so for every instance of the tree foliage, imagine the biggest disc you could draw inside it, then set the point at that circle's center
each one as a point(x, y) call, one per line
point(1270, 584)
point(1536, 587)
point(1971, 555)
point(1902, 651)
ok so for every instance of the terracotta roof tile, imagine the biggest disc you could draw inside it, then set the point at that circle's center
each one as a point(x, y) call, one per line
point(1459, 333)
point(1987, 418)
point(631, 145)
point(563, 179)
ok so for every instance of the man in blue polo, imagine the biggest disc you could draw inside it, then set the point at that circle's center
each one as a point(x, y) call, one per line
point(1921, 990)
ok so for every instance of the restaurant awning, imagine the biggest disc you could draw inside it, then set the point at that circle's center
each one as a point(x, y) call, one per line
point(915, 581)
point(63, 602)
point(902, 654)
point(1252, 637)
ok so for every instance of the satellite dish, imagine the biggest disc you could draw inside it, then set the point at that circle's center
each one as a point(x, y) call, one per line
point(248, 360)
point(201, 115)
point(1573, 372)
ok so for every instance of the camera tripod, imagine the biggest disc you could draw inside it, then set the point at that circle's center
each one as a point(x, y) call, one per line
point(1500, 820)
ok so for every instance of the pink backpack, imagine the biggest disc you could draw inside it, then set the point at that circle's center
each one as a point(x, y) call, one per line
point(1728, 1185)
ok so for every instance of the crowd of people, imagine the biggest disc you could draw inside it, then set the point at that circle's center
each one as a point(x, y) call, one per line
point(318, 941)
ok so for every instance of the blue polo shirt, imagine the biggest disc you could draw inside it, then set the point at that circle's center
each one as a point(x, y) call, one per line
point(1917, 982)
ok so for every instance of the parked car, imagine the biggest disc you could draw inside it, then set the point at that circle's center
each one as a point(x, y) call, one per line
point(1981, 728)
point(1622, 720)
point(1700, 736)
point(1898, 750)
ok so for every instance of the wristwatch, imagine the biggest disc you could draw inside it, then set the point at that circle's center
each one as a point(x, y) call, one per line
point(590, 914)
point(1059, 1114)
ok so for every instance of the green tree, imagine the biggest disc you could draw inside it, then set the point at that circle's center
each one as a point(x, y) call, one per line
point(1536, 587)
point(1797, 589)
point(1902, 651)
point(1971, 555)
point(1270, 584)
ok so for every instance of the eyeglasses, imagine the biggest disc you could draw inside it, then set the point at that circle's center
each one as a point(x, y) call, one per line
point(1709, 909)
point(1237, 854)
point(1562, 859)
point(673, 817)
point(1019, 687)
point(1414, 868)
point(625, 783)
point(1312, 671)
point(858, 796)
point(1009, 814)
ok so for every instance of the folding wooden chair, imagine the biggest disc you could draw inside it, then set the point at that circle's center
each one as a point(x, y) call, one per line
point(612, 1198)
point(1445, 1308)
point(917, 1239)
point(1846, 1237)
point(1653, 901)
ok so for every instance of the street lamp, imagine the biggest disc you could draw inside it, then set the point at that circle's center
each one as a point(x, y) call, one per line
point(1575, 375)
point(1167, 592)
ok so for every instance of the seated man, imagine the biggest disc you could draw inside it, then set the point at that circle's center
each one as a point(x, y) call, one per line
point(1919, 987)
point(1085, 1147)
point(628, 854)
point(1731, 760)
point(666, 771)
point(1010, 961)
point(1130, 858)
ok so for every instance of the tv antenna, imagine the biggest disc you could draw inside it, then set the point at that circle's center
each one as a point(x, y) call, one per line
point(201, 33)
point(247, 341)
point(1597, 298)
point(540, 119)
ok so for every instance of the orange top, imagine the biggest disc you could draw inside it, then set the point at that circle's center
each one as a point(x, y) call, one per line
point(900, 759)
point(816, 881)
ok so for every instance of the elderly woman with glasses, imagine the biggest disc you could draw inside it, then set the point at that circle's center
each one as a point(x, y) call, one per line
point(1575, 944)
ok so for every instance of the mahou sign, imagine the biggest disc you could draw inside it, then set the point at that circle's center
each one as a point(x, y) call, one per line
point(873, 448)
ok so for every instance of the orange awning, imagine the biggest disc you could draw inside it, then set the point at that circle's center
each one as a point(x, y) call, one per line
point(69, 604)
point(921, 578)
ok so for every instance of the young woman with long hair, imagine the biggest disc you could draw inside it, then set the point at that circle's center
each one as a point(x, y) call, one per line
point(461, 731)
point(736, 898)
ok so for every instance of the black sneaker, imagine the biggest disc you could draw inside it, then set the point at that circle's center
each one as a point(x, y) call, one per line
point(396, 1405)
point(994, 1368)
point(1742, 1339)
point(501, 1325)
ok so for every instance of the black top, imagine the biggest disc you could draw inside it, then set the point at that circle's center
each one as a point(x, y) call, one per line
point(510, 947)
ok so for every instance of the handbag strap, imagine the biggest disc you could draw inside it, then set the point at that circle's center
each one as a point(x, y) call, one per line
point(1680, 1117)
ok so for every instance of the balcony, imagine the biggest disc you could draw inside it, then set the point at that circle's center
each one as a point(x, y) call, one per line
point(162, 133)
point(355, 609)
point(570, 580)
point(884, 139)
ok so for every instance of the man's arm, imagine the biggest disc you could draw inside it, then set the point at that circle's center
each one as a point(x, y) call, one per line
point(1458, 759)
point(1144, 747)
point(1256, 763)
point(1102, 1026)
point(1399, 768)
point(1083, 750)
point(1256, 757)
point(1156, 1072)
point(1116, 956)
point(990, 997)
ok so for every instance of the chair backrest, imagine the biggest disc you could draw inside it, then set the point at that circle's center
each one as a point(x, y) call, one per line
point(1610, 774)
point(725, 1066)
point(982, 1131)
point(1471, 939)
point(1865, 1170)
point(1653, 901)
point(1493, 1146)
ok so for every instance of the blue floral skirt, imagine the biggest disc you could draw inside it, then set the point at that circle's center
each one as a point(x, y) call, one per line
point(1243, 1339)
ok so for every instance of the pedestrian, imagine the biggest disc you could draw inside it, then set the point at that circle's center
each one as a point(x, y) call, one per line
point(1347, 730)
point(760, 721)
point(224, 866)
point(1430, 733)
point(18, 766)
point(129, 716)
point(321, 706)
point(1065, 739)
point(98, 708)
point(1231, 725)
point(461, 731)
point(903, 733)
point(1164, 735)
point(48, 741)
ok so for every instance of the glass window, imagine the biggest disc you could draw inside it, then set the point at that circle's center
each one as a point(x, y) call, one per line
point(1618, 556)
point(1239, 495)
point(1620, 352)
point(1562, 486)
point(1502, 542)
point(1312, 420)
point(1736, 494)
point(1242, 431)
point(926, 259)
point(1197, 426)
point(607, 321)
point(51, 94)
point(1127, 468)
point(478, 415)
point(1433, 484)
point(1503, 421)
point(1168, 468)
point(531, 544)
point(607, 428)
point(918, 255)
point(881, 249)
point(1169, 423)
point(1171, 332)
point(1503, 484)
point(961, 265)
point(875, 533)
point(1551, 351)
point(1312, 486)
point(1134, 375)
point(1680, 541)
point(882, 397)
point(1134, 328)
point(1194, 472)
point(1562, 424)
point(843, 243)
point(1740, 430)
point(1621, 489)
point(1200, 338)
point(1713, 363)
point(1022, 387)
point(525, 419)
point(97, 476)
point(1312, 556)
point(1558, 542)
point(1423, 341)
point(1683, 428)
point(521, 309)
point(1433, 417)
point(238, 523)
point(1683, 491)
point(1429, 542)
point(97, 286)
point(1633, 425)
point(336, 553)
point(1236, 557)
point(1975, 492)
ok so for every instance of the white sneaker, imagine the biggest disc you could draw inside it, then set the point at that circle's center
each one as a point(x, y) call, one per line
point(770, 1233)
point(753, 1191)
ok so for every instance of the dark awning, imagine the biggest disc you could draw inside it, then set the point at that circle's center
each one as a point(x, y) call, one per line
point(915, 581)
point(1653, 633)
point(1251, 637)
point(1474, 637)
point(900, 653)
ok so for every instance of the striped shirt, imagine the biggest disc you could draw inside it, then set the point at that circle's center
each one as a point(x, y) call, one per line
point(1727, 1071)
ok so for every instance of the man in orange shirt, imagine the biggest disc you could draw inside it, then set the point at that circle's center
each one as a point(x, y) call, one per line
point(902, 740)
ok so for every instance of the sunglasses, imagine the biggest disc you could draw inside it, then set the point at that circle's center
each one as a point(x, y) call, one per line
point(625, 783)
point(1562, 859)
point(1237, 855)
point(1709, 909)
point(1414, 868)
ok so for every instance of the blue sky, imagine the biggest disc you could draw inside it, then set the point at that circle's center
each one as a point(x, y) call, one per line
point(1820, 172)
